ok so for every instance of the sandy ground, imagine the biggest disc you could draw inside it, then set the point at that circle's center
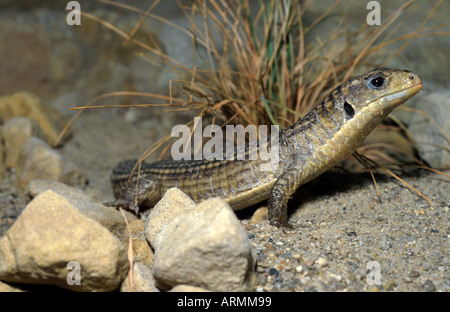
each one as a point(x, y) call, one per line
point(342, 230)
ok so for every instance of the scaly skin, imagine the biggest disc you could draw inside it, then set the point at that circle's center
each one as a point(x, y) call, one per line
point(330, 133)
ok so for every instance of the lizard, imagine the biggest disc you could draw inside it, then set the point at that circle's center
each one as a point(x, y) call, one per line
point(327, 135)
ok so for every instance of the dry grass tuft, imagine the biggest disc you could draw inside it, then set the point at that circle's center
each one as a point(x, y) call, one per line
point(256, 65)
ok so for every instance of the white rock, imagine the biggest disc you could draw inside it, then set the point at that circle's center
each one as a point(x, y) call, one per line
point(172, 204)
point(322, 262)
point(206, 247)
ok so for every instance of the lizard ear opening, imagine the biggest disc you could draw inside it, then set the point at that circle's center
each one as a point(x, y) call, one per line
point(349, 110)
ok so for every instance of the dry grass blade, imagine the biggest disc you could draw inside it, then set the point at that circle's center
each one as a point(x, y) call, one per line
point(407, 184)
point(415, 33)
point(375, 183)
point(371, 164)
point(119, 93)
point(141, 21)
point(391, 19)
point(434, 170)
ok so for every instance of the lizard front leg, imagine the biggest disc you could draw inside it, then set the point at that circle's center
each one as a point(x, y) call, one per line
point(286, 185)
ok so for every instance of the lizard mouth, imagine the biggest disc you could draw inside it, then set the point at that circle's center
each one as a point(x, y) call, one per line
point(405, 93)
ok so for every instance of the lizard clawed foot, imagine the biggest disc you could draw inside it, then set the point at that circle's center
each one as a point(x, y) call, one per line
point(126, 205)
point(282, 224)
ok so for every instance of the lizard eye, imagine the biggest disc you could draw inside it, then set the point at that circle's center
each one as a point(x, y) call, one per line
point(376, 82)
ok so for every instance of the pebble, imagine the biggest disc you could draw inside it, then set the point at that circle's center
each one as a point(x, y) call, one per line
point(390, 285)
point(309, 263)
point(336, 277)
point(322, 262)
point(287, 275)
point(259, 216)
point(429, 286)
point(414, 273)
point(273, 272)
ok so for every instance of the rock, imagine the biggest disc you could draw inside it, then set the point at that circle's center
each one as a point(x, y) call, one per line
point(38, 186)
point(172, 204)
point(4, 287)
point(141, 249)
point(109, 217)
point(259, 215)
point(39, 161)
point(431, 140)
point(51, 233)
point(205, 247)
point(187, 288)
point(28, 105)
point(16, 132)
point(143, 280)
point(2, 158)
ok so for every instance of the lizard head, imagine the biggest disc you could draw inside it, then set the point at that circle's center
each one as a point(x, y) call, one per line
point(379, 91)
